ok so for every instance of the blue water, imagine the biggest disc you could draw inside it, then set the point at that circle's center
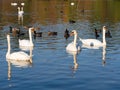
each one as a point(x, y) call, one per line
point(53, 68)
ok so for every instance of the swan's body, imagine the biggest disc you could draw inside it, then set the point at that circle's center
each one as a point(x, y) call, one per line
point(25, 42)
point(16, 55)
point(95, 42)
point(73, 46)
point(20, 12)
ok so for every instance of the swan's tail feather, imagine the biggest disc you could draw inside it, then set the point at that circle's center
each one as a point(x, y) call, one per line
point(19, 40)
point(80, 39)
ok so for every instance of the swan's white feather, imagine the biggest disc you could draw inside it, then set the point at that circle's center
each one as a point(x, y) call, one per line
point(18, 56)
point(92, 41)
point(24, 42)
point(71, 47)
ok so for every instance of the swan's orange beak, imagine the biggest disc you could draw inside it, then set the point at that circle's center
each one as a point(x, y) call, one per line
point(32, 29)
point(72, 33)
point(105, 27)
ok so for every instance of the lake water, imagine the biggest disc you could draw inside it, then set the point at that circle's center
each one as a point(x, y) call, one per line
point(53, 68)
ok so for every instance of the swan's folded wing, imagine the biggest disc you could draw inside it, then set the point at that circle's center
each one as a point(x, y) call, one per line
point(90, 42)
point(24, 43)
point(19, 56)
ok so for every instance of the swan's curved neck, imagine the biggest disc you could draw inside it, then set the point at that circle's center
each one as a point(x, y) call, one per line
point(8, 40)
point(21, 8)
point(75, 39)
point(104, 40)
point(30, 36)
point(18, 9)
point(103, 55)
point(75, 62)
point(104, 52)
point(74, 58)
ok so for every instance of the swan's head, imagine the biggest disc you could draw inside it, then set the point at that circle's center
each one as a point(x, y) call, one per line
point(22, 8)
point(22, 4)
point(8, 36)
point(104, 28)
point(32, 29)
point(18, 8)
point(74, 32)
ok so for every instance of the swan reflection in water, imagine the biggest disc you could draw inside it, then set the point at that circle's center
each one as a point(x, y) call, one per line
point(103, 56)
point(97, 47)
point(75, 67)
point(20, 19)
point(17, 64)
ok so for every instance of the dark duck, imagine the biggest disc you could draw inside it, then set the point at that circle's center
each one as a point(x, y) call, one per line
point(66, 34)
point(37, 34)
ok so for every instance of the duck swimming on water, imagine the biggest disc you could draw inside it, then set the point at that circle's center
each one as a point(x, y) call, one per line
point(66, 34)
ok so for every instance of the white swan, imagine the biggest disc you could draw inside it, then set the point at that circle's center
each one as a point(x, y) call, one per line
point(16, 55)
point(27, 43)
point(95, 42)
point(20, 19)
point(20, 11)
point(73, 46)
